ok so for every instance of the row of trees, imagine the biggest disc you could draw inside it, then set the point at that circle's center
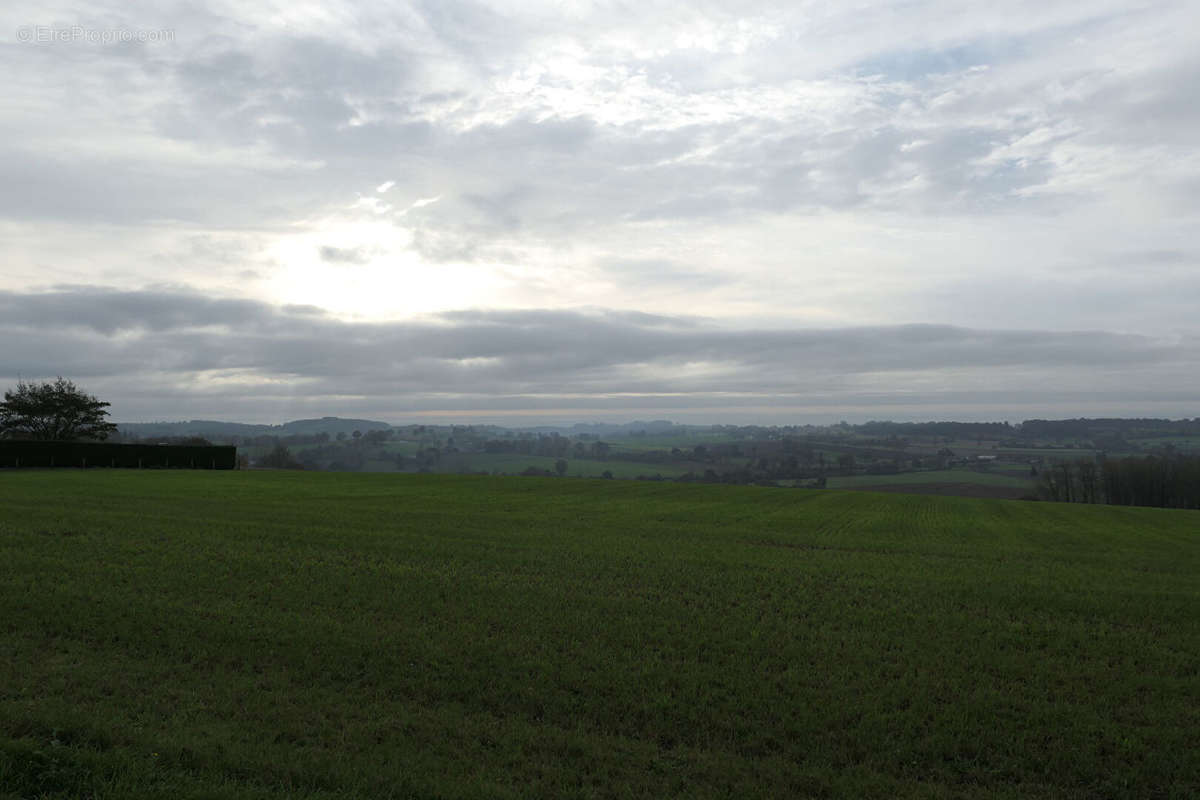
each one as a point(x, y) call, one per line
point(1165, 482)
point(1115, 426)
point(949, 430)
point(552, 445)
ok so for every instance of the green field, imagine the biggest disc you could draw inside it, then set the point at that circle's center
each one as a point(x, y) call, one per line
point(515, 463)
point(1178, 442)
point(1046, 453)
point(997, 478)
point(332, 635)
point(685, 441)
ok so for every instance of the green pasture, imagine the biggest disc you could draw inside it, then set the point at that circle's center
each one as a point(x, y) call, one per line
point(684, 441)
point(930, 476)
point(333, 635)
point(1179, 442)
point(1050, 453)
point(515, 463)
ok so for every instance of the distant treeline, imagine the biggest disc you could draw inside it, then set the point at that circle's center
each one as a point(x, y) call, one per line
point(1036, 428)
point(1165, 482)
point(1090, 428)
point(953, 430)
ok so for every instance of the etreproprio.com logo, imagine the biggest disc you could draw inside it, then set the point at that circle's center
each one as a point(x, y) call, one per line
point(72, 34)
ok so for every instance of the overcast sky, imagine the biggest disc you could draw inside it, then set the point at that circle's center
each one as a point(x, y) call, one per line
point(535, 212)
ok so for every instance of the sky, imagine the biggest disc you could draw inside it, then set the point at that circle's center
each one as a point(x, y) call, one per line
point(539, 212)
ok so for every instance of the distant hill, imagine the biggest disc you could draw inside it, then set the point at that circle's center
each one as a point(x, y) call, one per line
point(216, 428)
point(332, 425)
point(654, 428)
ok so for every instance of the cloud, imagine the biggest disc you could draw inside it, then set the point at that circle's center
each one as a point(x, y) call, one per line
point(1026, 166)
point(109, 311)
point(508, 115)
point(344, 255)
point(228, 350)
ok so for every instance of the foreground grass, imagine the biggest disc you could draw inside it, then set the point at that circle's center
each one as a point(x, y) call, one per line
point(192, 634)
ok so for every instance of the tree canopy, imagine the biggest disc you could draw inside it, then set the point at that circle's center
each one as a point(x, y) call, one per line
point(57, 411)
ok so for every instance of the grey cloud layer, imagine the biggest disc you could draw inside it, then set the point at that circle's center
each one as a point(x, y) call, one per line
point(514, 359)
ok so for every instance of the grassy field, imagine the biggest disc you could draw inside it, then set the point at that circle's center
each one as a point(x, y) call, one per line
point(931, 476)
point(515, 463)
point(667, 441)
point(1046, 453)
point(1179, 442)
point(283, 634)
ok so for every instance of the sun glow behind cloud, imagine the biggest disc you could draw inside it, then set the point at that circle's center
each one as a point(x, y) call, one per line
point(368, 270)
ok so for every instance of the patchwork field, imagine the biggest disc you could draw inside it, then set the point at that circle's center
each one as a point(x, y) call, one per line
point(331, 635)
point(515, 463)
point(949, 482)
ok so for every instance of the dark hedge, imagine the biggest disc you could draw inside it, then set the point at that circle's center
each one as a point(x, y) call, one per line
point(102, 454)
